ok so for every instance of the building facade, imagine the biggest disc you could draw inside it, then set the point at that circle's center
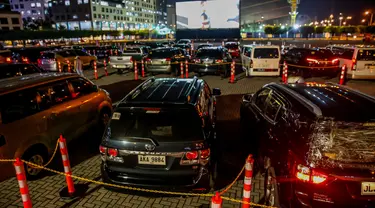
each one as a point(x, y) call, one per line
point(171, 16)
point(34, 9)
point(104, 15)
point(161, 12)
point(10, 21)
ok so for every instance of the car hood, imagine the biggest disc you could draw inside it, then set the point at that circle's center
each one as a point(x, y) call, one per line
point(342, 144)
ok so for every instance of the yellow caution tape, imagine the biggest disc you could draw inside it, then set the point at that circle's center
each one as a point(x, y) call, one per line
point(314, 67)
point(143, 189)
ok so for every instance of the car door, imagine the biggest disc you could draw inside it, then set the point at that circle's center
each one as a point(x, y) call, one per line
point(87, 98)
point(246, 57)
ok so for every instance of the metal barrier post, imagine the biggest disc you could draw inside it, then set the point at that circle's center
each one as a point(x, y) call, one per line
point(143, 68)
point(186, 69)
point(247, 181)
point(94, 52)
point(181, 69)
point(59, 66)
point(343, 75)
point(105, 67)
point(68, 62)
point(216, 201)
point(95, 71)
point(135, 70)
point(21, 177)
point(71, 191)
point(232, 72)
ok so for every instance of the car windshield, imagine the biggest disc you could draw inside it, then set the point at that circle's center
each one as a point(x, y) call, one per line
point(163, 126)
point(47, 55)
point(206, 53)
point(320, 54)
point(231, 46)
point(13, 70)
point(161, 54)
point(366, 55)
point(266, 53)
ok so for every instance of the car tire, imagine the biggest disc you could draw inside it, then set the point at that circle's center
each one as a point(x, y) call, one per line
point(271, 188)
point(120, 71)
point(37, 155)
point(104, 117)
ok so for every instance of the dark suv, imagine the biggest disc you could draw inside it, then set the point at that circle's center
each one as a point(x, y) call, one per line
point(212, 60)
point(162, 135)
point(307, 62)
point(316, 144)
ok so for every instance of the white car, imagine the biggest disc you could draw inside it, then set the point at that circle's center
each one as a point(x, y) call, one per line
point(261, 60)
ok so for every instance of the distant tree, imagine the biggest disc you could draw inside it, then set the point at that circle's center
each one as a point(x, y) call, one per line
point(268, 30)
point(319, 30)
point(306, 30)
point(332, 30)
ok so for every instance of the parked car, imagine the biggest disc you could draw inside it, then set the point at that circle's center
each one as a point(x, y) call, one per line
point(233, 48)
point(101, 52)
point(212, 60)
point(312, 62)
point(359, 60)
point(168, 43)
point(314, 141)
point(161, 135)
point(165, 60)
point(49, 59)
point(126, 59)
point(29, 55)
point(261, 60)
point(185, 47)
point(17, 69)
point(184, 41)
point(45, 106)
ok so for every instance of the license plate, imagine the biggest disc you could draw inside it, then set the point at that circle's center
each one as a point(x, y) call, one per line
point(120, 59)
point(371, 67)
point(368, 188)
point(122, 66)
point(151, 160)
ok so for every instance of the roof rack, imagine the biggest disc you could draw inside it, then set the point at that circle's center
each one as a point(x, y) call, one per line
point(149, 80)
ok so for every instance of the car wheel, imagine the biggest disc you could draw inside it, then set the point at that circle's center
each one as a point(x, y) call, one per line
point(104, 117)
point(271, 191)
point(120, 71)
point(36, 155)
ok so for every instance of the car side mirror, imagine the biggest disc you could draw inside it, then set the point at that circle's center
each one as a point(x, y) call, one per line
point(247, 98)
point(216, 91)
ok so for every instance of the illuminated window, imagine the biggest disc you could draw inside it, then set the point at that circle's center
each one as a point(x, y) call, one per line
point(67, 2)
point(32, 5)
point(85, 1)
point(79, 1)
point(38, 5)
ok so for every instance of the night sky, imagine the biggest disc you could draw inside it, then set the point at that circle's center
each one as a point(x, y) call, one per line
point(323, 8)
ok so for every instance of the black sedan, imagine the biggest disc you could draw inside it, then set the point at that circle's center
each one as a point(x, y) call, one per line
point(17, 69)
point(315, 144)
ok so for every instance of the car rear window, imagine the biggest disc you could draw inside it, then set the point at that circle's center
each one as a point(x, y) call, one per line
point(131, 50)
point(321, 54)
point(231, 46)
point(161, 54)
point(207, 53)
point(366, 55)
point(13, 70)
point(161, 126)
point(47, 55)
point(67, 53)
point(266, 53)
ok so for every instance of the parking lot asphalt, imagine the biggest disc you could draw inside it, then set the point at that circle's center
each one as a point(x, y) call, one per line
point(85, 159)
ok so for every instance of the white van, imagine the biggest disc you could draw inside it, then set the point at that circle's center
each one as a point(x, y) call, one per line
point(360, 60)
point(261, 60)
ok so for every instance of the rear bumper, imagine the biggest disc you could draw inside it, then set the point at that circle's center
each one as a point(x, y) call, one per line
point(159, 68)
point(308, 195)
point(161, 180)
point(121, 66)
point(208, 68)
point(361, 75)
point(258, 72)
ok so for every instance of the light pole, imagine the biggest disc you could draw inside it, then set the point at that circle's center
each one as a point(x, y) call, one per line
point(371, 16)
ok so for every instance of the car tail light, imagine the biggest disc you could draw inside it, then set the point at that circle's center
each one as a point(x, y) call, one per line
point(8, 59)
point(309, 175)
point(334, 61)
point(112, 152)
point(310, 60)
point(192, 155)
point(205, 153)
point(219, 60)
point(167, 59)
point(25, 59)
point(354, 64)
point(131, 59)
point(102, 150)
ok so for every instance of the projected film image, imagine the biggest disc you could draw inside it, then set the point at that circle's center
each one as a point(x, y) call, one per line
point(208, 14)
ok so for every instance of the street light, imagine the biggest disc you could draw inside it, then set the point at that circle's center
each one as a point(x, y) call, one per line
point(344, 23)
point(363, 20)
point(340, 18)
point(372, 15)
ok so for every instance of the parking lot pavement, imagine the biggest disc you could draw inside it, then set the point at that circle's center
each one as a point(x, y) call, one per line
point(234, 148)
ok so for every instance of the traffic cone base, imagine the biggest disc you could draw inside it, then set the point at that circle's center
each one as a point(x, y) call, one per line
point(80, 190)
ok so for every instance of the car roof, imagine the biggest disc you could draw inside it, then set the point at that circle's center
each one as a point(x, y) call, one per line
point(230, 43)
point(261, 46)
point(26, 81)
point(164, 91)
point(333, 100)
